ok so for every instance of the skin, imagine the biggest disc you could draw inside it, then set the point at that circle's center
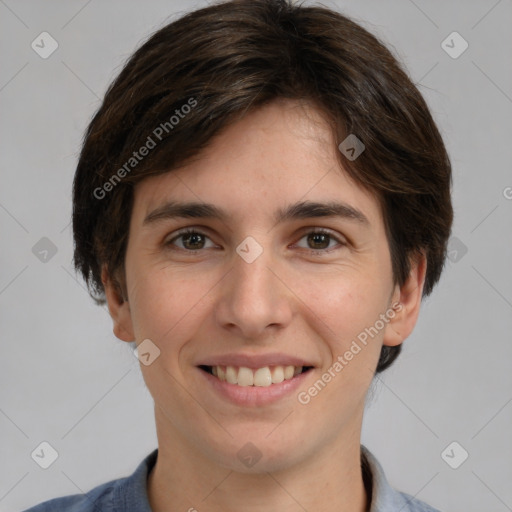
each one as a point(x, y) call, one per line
point(213, 302)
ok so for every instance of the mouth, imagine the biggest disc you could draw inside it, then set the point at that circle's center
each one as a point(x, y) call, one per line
point(258, 377)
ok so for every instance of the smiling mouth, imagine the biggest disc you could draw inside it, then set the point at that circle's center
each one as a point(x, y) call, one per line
point(262, 377)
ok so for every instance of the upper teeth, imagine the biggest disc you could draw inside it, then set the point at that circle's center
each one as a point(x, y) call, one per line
point(265, 376)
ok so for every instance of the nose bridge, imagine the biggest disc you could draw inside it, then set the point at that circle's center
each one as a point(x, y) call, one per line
point(252, 273)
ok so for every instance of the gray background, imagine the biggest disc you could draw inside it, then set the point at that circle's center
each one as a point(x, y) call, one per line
point(67, 380)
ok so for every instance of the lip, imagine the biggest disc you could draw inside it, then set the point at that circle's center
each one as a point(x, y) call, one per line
point(253, 396)
point(255, 361)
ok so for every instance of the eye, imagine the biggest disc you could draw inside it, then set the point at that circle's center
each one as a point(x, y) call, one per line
point(193, 240)
point(319, 240)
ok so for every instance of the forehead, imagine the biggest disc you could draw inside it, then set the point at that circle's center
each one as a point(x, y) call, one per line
point(280, 154)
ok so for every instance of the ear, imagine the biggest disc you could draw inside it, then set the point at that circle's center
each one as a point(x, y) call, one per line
point(118, 307)
point(406, 302)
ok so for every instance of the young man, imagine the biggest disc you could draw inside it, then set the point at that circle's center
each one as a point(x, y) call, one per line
point(262, 200)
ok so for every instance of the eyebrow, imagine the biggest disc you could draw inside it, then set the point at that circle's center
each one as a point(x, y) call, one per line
point(300, 210)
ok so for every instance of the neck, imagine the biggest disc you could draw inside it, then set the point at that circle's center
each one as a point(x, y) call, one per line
point(183, 479)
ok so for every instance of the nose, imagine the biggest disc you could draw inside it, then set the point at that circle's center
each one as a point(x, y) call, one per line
point(254, 299)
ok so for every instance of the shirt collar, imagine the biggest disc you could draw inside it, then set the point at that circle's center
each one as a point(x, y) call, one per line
point(383, 497)
point(132, 493)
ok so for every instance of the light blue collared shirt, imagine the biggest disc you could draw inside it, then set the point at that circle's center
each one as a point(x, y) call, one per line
point(129, 494)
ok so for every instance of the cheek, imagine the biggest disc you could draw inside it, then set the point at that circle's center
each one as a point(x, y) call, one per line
point(343, 306)
point(166, 305)
point(346, 316)
point(156, 303)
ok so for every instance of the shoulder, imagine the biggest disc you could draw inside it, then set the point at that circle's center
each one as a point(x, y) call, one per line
point(99, 498)
point(384, 497)
point(121, 495)
point(411, 504)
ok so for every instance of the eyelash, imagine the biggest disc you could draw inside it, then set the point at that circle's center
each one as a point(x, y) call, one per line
point(313, 252)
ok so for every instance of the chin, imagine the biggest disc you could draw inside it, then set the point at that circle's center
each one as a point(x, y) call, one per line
point(255, 454)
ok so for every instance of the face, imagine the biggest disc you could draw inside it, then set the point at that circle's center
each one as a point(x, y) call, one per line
point(290, 307)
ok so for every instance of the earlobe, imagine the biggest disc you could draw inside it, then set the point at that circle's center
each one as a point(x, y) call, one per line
point(118, 307)
point(406, 303)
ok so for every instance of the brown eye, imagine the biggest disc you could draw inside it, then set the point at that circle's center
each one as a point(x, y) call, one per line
point(319, 240)
point(192, 240)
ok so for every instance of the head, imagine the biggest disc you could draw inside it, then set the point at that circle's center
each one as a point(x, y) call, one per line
point(250, 115)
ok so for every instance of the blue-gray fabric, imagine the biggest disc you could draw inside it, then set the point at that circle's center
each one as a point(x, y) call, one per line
point(129, 494)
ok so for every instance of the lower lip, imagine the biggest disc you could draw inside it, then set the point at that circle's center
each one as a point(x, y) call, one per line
point(254, 396)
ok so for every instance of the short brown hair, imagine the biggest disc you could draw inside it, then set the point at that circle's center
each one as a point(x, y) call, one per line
point(230, 58)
